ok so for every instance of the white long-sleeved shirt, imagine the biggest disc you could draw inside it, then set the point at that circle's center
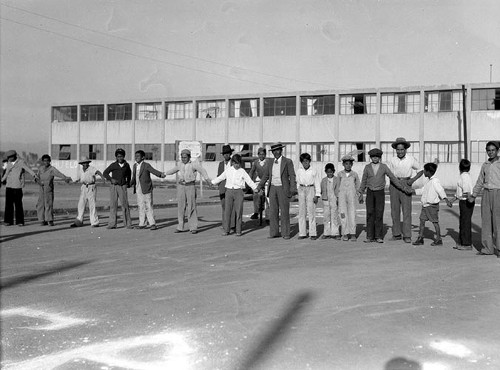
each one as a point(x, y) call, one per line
point(309, 177)
point(404, 167)
point(432, 192)
point(235, 179)
point(464, 185)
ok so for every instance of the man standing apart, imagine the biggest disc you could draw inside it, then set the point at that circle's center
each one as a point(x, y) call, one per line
point(223, 166)
point(14, 178)
point(186, 190)
point(402, 166)
point(282, 186)
point(120, 182)
point(259, 167)
point(143, 186)
point(88, 193)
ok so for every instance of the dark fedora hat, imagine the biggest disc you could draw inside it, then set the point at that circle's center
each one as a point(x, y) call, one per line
point(277, 146)
point(375, 152)
point(10, 153)
point(400, 140)
point(226, 149)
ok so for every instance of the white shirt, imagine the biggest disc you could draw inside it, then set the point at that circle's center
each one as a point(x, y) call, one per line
point(276, 174)
point(403, 167)
point(432, 192)
point(309, 177)
point(464, 185)
point(375, 167)
point(235, 179)
point(137, 172)
point(88, 177)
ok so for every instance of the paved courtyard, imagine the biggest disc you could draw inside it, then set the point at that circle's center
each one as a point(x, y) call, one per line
point(136, 299)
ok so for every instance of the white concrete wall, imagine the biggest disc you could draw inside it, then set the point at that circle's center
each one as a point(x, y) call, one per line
point(280, 128)
point(357, 127)
point(92, 132)
point(443, 126)
point(399, 125)
point(148, 131)
point(317, 129)
point(246, 127)
point(119, 132)
point(178, 129)
point(485, 125)
point(210, 130)
point(65, 132)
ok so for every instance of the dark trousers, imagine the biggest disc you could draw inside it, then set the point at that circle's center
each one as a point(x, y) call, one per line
point(222, 197)
point(45, 205)
point(465, 222)
point(375, 204)
point(13, 199)
point(278, 201)
point(233, 209)
point(400, 202)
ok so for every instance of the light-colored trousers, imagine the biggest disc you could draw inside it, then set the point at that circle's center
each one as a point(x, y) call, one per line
point(186, 205)
point(45, 205)
point(307, 208)
point(234, 207)
point(347, 211)
point(490, 221)
point(118, 192)
point(145, 205)
point(330, 217)
point(400, 202)
point(88, 195)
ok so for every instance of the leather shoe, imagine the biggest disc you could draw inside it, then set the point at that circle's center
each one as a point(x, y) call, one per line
point(286, 237)
point(153, 227)
point(314, 237)
point(379, 240)
point(396, 237)
point(407, 240)
point(255, 216)
point(273, 236)
point(437, 242)
point(194, 231)
point(464, 247)
point(369, 240)
point(111, 227)
point(302, 237)
point(419, 241)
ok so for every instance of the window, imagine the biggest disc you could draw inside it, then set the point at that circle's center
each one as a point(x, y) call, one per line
point(400, 103)
point(443, 101)
point(244, 108)
point(486, 99)
point(65, 114)
point(180, 110)
point(357, 150)
point(478, 151)
point(445, 152)
point(92, 151)
point(413, 150)
point(148, 111)
point(64, 151)
point(212, 109)
point(317, 105)
point(358, 104)
point(152, 151)
point(119, 112)
point(111, 148)
point(289, 150)
point(279, 106)
point(245, 149)
point(170, 152)
point(92, 113)
point(324, 152)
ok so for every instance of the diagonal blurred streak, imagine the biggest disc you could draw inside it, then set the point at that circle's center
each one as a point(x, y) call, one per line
point(276, 332)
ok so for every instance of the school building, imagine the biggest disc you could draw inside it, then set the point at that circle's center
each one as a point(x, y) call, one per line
point(326, 124)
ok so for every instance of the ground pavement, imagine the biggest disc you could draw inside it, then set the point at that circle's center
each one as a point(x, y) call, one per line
point(90, 298)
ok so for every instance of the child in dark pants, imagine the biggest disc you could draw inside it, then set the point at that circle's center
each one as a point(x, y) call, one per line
point(464, 189)
point(432, 193)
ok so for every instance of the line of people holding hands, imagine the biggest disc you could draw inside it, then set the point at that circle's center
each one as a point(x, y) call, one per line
point(276, 179)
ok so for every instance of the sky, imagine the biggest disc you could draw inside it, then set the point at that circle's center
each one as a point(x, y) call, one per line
point(55, 52)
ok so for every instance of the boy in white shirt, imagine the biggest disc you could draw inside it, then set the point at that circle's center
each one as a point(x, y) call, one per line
point(432, 193)
point(464, 189)
point(235, 177)
point(309, 188)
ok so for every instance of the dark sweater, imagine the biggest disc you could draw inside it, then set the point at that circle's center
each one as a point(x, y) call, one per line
point(120, 174)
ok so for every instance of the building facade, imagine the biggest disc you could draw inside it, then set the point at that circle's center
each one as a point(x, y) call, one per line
point(326, 124)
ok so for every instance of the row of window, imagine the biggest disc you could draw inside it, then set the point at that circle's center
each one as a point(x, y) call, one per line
point(445, 152)
point(435, 101)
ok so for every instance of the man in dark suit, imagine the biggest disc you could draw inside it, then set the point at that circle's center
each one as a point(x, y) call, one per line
point(227, 151)
point(282, 186)
point(259, 166)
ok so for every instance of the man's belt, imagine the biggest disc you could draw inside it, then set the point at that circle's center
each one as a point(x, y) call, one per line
point(306, 186)
point(182, 182)
point(88, 184)
point(403, 178)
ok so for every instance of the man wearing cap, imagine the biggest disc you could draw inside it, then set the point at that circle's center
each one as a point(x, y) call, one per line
point(88, 193)
point(373, 180)
point(227, 151)
point(186, 190)
point(282, 186)
point(403, 167)
point(259, 166)
point(120, 181)
point(14, 178)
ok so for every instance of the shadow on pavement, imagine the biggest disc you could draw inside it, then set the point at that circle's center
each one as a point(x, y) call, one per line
point(401, 363)
point(276, 332)
point(21, 279)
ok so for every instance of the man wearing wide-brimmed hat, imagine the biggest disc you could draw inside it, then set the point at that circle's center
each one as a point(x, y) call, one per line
point(14, 178)
point(403, 166)
point(282, 186)
point(226, 152)
point(88, 192)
